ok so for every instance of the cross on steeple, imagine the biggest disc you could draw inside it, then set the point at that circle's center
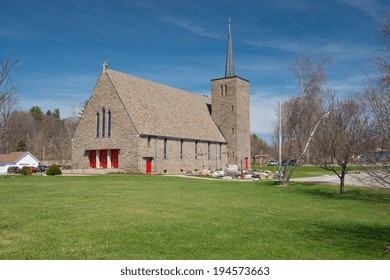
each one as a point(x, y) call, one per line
point(229, 69)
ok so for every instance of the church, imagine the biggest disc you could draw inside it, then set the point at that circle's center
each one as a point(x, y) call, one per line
point(145, 127)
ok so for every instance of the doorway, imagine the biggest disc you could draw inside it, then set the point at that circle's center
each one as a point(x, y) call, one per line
point(149, 165)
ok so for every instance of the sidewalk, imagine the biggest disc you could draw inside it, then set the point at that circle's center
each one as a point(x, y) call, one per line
point(353, 179)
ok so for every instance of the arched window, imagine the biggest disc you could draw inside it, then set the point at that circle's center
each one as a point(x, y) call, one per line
point(109, 124)
point(97, 124)
point(103, 122)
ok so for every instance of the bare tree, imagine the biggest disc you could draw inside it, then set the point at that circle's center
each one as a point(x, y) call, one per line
point(7, 98)
point(303, 114)
point(376, 157)
point(339, 138)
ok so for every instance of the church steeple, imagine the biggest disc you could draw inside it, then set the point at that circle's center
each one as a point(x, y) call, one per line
point(229, 69)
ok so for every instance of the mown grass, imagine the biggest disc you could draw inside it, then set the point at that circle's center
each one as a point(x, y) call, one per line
point(158, 217)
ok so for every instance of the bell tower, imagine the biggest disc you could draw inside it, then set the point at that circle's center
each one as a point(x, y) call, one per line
point(230, 111)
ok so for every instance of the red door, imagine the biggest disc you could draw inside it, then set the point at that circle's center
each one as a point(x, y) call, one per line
point(246, 163)
point(114, 158)
point(103, 158)
point(148, 165)
point(92, 159)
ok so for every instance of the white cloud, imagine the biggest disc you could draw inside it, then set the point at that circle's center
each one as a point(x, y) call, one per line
point(371, 7)
point(195, 29)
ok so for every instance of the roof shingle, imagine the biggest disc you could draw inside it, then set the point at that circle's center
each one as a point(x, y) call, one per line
point(160, 110)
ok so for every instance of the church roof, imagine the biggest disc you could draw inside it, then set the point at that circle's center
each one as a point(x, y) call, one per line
point(160, 110)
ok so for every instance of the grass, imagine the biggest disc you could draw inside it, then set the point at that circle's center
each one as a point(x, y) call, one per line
point(158, 217)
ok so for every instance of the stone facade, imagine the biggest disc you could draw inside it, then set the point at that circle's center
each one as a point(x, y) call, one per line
point(141, 147)
point(230, 112)
point(123, 135)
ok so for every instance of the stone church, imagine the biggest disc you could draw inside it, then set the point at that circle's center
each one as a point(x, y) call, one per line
point(146, 127)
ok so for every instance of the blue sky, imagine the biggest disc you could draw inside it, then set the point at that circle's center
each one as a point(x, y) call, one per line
point(183, 44)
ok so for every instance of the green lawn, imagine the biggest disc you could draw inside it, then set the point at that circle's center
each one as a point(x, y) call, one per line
point(157, 217)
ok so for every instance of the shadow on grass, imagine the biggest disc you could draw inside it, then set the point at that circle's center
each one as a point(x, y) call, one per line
point(351, 240)
point(351, 193)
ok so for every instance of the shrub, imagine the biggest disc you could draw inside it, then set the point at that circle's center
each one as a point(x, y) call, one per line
point(53, 170)
point(26, 171)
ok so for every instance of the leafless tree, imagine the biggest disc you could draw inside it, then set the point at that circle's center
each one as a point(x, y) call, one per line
point(376, 96)
point(339, 139)
point(8, 99)
point(303, 113)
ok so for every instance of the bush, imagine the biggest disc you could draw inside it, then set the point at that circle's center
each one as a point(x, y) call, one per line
point(26, 171)
point(53, 170)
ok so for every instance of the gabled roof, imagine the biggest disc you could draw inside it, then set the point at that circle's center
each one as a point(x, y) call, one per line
point(14, 157)
point(160, 110)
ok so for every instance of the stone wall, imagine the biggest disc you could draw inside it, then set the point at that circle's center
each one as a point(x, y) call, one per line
point(176, 161)
point(123, 133)
point(230, 111)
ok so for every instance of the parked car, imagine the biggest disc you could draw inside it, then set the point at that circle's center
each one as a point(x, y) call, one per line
point(33, 169)
point(42, 168)
point(292, 162)
point(13, 169)
point(272, 163)
point(295, 162)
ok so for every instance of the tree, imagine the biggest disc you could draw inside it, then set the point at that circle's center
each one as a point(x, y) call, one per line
point(376, 160)
point(258, 147)
point(37, 113)
point(56, 114)
point(304, 113)
point(339, 138)
point(7, 98)
point(21, 147)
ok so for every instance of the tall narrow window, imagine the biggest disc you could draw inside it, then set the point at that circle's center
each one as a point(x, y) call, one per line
point(165, 148)
point(181, 149)
point(208, 151)
point(225, 89)
point(221, 90)
point(103, 122)
point(196, 149)
point(149, 139)
point(109, 124)
point(220, 151)
point(97, 124)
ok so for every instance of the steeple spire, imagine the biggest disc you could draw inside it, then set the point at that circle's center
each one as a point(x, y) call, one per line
point(229, 69)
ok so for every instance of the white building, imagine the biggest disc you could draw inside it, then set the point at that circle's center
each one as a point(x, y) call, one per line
point(17, 159)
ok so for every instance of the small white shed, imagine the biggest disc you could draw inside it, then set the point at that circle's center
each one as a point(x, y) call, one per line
point(17, 159)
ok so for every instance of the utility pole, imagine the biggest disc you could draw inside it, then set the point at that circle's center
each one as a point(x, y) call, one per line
point(280, 142)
